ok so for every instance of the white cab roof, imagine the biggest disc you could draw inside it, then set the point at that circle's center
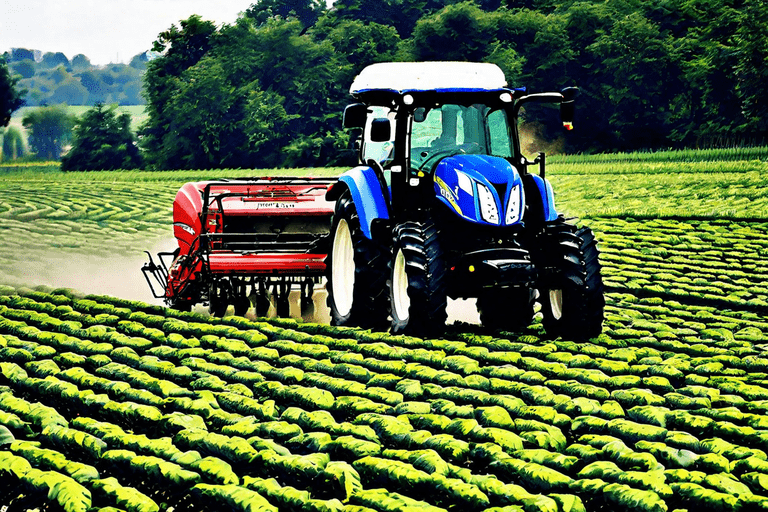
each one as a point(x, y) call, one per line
point(429, 76)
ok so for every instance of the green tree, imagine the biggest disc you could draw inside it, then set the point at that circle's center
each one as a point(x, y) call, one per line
point(54, 60)
point(640, 81)
point(221, 124)
point(10, 98)
point(289, 62)
point(25, 68)
point(460, 32)
point(70, 92)
point(12, 144)
point(18, 54)
point(306, 11)
point(542, 42)
point(102, 140)
point(181, 48)
point(752, 66)
point(50, 128)
point(80, 62)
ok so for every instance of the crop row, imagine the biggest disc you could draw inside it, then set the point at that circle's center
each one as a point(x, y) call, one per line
point(183, 410)
point(705, 262)
point(649, 193)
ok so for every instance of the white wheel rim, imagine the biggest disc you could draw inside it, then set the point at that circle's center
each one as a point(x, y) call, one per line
point(556, 303)
point(343, 268)
point(400, 299)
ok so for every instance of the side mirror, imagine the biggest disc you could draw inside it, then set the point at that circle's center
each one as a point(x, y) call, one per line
point(381, 131)
point(568, 106)
point(354, 116)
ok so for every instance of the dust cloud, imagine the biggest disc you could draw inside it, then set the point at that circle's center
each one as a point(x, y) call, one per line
point(120, 276)
point(532, 141)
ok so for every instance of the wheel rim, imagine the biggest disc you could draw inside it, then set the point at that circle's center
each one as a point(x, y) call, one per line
point(400, 300)
point(343, 268)
point(556, 303)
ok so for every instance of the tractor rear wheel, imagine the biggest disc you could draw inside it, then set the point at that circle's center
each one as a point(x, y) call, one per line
point(572, 298)
point(356, 271)
point(417, 285)
point(510, 309)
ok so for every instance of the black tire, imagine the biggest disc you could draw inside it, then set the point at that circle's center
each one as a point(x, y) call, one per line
point(572, 300)
point(356, 296)
point(418, 281)
point(509, 309)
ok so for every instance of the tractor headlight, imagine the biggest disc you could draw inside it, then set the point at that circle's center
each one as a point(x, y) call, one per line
point(488, 209)
point(515, 206)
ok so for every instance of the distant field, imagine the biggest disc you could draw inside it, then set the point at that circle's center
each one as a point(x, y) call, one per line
point(137, 112)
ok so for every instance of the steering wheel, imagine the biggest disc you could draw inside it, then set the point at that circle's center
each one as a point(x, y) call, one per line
point(441, 153)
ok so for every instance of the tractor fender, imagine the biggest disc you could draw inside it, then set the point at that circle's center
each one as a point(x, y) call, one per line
point(547, 197)
point(367, 195)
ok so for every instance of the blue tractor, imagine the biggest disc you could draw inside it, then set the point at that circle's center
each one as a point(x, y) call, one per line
point(443, 204)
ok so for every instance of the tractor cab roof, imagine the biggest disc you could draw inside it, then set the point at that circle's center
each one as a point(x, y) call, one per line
point(400, 78)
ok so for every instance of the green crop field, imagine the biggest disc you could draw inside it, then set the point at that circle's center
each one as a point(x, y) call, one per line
point(110, 402)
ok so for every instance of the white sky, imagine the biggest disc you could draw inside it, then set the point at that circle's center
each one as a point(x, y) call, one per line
point(103, 30)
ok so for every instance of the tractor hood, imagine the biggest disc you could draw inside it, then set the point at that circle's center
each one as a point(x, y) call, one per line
point(481, 189)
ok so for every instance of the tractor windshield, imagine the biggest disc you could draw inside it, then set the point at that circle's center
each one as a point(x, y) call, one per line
point(451, 129)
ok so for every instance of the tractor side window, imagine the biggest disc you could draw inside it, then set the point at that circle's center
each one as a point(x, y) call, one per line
point(382, 151)
point(498, 131)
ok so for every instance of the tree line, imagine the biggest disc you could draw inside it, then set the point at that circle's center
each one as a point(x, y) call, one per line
point(268, 90)
point(52, 78)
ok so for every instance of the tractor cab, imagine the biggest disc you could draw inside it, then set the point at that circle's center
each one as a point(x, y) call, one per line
point(443, 205)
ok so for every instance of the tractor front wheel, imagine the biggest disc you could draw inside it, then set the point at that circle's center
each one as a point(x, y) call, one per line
point(417, 285)
point(572, 300)
point(356, 271)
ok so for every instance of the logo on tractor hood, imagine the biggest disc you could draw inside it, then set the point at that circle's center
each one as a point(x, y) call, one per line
point(448, 194)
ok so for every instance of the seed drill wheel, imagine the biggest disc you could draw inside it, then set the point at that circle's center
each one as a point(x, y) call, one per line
point(356, 271)
point(572, 298)
point(417, 285)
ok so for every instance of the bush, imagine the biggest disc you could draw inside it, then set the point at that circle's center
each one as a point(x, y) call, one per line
point(102, 141)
